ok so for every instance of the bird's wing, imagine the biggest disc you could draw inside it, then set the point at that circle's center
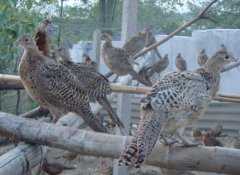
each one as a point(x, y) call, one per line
point(91, 81)
point(59, 85)
point(170, 92)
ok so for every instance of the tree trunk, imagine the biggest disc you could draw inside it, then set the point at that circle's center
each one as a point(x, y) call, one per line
point(211, 159)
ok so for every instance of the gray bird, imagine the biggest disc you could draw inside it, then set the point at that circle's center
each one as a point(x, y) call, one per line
point(202, 57)
point(184, 92)
point(180, 63)
point(53, 85)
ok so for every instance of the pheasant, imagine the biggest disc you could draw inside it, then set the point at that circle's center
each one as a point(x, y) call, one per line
point(178, 92)
point(53, 85)
point(42, 38)
point(202, 57)
point(63, 56)
point(94, 85)
point(118, 62)
point(138, 42)
point(88, 61)
point(148, 71)
point(180, 63)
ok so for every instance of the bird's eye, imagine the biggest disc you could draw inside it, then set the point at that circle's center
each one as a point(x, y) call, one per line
point(226, 57)
point(26, 40)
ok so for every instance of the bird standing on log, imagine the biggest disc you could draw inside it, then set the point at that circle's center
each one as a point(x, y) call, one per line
point(53, 85)
point(94, 85)
point(180, 63)
point(187, 92)
point(118, 61)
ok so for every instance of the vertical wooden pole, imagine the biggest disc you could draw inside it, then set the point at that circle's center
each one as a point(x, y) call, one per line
point(96, 46)
point(129, 28)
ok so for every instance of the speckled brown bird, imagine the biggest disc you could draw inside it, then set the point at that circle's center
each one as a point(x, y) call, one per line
point(94, 84)
point(138, 42)
point(88, 61)
point(209, 140)
point(117, 60)
point(53, 85)
point(148, 71)
point(184, 92)
point(180, 63)
point(202, 57)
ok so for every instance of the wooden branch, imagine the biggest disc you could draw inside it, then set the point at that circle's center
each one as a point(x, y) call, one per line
point(201, 15)
point(12, 82)
point(211, 159)
point(115, 88)
point(37, 112)
point(230, 67)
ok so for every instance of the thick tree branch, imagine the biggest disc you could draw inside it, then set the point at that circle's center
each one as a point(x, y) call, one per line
point(201, 15)
point(16, 82)
point(211, 159)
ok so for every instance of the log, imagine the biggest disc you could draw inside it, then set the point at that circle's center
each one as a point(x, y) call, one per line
point(37, 112)
point(21, 160)
point(11, 82)
point(210, 159)
point(115, 88)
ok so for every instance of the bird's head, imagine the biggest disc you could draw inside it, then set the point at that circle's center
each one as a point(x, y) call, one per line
point(202, 51)
point(26, 42)
point(221, 58)
point(106, 37)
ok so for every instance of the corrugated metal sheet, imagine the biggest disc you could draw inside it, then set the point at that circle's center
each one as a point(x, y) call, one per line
point(227, 114)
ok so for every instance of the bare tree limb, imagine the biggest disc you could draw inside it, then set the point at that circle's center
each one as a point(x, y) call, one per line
point(201, 15)
point(14, 81)
point(211, 159)
point(37, 112)
point(230, 67)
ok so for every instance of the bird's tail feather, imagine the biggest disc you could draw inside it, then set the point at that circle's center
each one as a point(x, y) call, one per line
point(143, 142)
point(92, 121)
point(114, 117)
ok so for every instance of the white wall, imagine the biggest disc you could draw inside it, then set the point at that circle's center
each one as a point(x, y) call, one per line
point(189, 47)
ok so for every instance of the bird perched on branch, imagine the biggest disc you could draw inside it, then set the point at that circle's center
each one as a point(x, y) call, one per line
point(118, 61)
point(202, 57)
point(53, 85)
point(180, 63)
point(138, 42)
point(93, 84)
point(88, 61)
point(178, 92)
point(147, 71)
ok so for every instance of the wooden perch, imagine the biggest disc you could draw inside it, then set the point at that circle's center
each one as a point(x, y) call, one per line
point(115, 88)
point(211, 159)
point(201, 15)
point(11, 82)
point(37, 112)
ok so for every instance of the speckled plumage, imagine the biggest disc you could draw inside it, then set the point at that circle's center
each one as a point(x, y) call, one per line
point(138, 42)
point(178, 92)
point(202, 57)
point(94, 84)
point(180, 63)
point(118, 61)
point(53, 85)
